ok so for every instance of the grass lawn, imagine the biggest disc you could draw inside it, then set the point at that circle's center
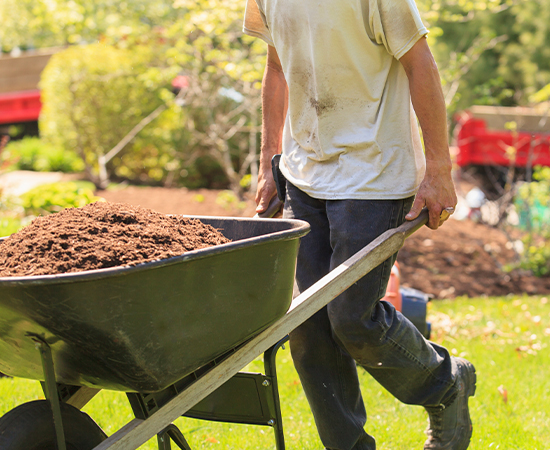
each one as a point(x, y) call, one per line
point(507, 339)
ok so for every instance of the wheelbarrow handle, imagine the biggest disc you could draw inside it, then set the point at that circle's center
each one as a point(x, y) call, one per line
point(273, 208)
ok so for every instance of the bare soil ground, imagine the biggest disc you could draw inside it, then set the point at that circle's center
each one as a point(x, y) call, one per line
point(461, 258)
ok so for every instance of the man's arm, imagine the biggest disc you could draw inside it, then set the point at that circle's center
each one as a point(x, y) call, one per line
point(437, 190)
point(274, 106)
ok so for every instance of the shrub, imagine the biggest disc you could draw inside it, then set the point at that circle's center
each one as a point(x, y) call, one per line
point(532, 203)
point(32, 153)
point(53, 197)
point(229, 200)
point(12, 215)
point(9, 225)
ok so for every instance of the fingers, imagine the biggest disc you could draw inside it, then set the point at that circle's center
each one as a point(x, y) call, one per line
point(434, 219)
point(437, 214)
point(274, 209)
point(264, 201)
point(417, 206)
point(445, 214)
point(266, 191)
point(438, 219)
point(437, 194)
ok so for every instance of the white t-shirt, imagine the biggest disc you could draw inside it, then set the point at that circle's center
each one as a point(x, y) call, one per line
point(350, 130)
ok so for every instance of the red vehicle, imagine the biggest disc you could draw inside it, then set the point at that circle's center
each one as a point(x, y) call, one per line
point(22, 106)
point(19, 94)
point(485, 136)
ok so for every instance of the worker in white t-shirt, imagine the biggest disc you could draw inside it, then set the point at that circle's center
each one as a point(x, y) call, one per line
point(344, 84)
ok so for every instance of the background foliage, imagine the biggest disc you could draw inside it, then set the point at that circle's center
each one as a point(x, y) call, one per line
point(488, 51)
point(28, 24)
point(94, 95)
point(32, 153)
point(533, 204)
point(54, 197)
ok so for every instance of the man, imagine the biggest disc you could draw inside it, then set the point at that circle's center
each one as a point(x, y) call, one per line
point(341, 80)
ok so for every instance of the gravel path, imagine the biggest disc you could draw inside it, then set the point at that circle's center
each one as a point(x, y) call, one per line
point(20, 181)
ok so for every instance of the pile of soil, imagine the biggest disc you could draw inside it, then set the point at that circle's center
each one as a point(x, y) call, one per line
point(101, 235)
point(465, 258)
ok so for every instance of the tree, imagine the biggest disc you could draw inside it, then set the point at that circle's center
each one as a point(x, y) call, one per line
point(224, 69)
point(91, 109)
point(51, 23)
point(490, 51)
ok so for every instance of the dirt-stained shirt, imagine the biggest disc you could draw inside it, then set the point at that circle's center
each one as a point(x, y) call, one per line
point(350, 131)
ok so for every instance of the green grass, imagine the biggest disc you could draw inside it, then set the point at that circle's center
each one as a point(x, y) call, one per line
point(506, 338)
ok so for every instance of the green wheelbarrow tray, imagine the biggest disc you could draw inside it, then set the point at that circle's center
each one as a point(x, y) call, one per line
point(142, 328)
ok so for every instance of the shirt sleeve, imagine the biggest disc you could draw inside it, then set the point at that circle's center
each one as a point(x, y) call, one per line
point(255, 23)
point(396, 24)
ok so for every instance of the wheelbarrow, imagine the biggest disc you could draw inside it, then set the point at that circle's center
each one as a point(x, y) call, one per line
point(172, 334)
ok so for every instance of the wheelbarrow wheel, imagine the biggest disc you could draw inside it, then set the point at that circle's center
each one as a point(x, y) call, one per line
point(30, 427)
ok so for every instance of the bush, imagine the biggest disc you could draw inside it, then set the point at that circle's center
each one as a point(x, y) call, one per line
point(32, 153)
point(532, 204)
point(94, 95)
point(9, 225)
point(12, 215)
point(53, 197)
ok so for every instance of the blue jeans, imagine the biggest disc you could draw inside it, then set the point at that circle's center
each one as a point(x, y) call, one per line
point(356, 328)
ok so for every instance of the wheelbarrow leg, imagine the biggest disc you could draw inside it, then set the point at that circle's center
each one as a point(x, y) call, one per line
point(50, 389)
point(171, 432)
point(270, 367)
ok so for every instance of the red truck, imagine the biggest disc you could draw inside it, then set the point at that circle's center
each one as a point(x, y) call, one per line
point(19, 94)
point(502, 137)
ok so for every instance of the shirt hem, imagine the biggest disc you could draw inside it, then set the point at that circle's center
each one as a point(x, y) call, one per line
point(366, 195)
point(327, 197)
point(358, 195)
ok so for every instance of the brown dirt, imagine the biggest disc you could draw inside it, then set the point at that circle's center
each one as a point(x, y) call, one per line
point(460, 258)
point(464, 258)
point(200, 202)
point(101, 235)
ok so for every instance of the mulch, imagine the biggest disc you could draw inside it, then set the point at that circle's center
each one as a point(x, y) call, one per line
point(465, 258)
point(101, 235)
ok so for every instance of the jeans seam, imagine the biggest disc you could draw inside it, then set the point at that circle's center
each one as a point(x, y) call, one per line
point(411, 357)
point(341, 385)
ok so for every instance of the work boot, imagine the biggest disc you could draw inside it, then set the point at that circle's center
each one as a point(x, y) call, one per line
point(450, 427)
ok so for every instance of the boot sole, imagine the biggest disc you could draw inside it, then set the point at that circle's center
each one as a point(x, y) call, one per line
point(469, 391)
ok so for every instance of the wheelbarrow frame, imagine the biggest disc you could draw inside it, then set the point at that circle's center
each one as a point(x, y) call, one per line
point(257, 396)
point(138, 431)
